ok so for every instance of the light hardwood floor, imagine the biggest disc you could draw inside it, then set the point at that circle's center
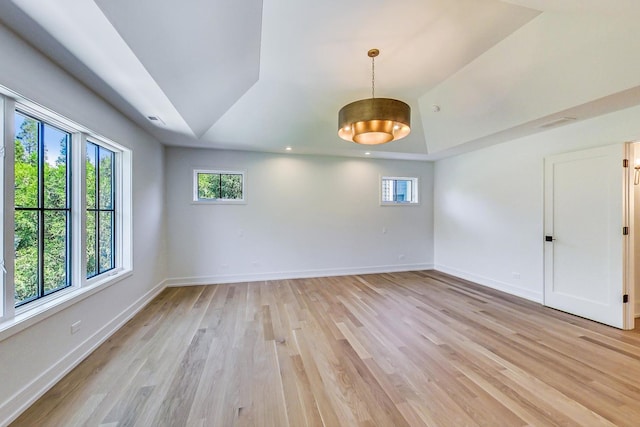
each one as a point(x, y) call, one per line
point(419, 348)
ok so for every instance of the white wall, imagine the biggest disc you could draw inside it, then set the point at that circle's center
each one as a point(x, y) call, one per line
point(34, 358)
point(489, 203)
point(305, 216)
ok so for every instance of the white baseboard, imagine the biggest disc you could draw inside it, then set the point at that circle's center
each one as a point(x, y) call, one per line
point(494, 284)
point(21, 400)
point(302, 274)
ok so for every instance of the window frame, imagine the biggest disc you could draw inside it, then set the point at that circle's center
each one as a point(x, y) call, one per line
point(98, 210)
point(194, 183)
point(415, 199)
point(14, 319)
point(41, 209)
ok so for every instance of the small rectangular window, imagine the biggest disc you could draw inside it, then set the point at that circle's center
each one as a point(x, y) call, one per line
point(218, 186)
point(398, 190)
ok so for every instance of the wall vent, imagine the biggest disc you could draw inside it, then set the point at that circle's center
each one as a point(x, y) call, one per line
point(156, 119)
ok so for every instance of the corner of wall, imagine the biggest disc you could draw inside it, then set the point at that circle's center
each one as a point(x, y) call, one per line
point(494, 284)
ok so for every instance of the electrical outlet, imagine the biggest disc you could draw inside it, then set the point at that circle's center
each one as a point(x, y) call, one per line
point(75, 327)
point(516, 275)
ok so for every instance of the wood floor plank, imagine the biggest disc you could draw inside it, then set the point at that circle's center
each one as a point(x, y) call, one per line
point(396, 349)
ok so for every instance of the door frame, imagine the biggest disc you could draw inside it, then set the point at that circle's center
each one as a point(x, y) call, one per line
point(628, 251)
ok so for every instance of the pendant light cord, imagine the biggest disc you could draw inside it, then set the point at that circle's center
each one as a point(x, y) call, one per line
point(373, 77)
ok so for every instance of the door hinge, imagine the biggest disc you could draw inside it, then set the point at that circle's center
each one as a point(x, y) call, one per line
point(625, 231)
point(625, 298)
point(625, 163)
point(2, 152)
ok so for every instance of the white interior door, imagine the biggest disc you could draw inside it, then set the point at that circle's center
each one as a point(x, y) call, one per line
point(585, 210)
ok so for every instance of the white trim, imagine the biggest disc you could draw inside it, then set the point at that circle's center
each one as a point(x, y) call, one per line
point(301, 274)
point(494, 284)
point(38, 113)
point(628, 253)
point(22, 399)
point(7, 143)
point(78, 210)
point(4, 295)
point(124, 215)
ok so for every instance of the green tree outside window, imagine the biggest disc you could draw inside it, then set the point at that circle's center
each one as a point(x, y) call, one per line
point(219, 186)
point(42, 209)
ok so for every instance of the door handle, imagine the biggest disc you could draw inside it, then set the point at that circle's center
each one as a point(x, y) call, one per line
point(549, 238)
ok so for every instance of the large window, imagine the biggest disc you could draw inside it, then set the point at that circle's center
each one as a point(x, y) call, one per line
point(42, 209)
point(100, 209)
point(67, 195)
point(212, 186)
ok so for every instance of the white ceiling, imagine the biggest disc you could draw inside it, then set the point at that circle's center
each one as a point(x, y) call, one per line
point(262, 75)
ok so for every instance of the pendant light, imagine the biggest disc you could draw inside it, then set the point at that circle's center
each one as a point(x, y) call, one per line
point(374, 121)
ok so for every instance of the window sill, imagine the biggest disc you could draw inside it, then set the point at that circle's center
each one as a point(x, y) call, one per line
point(399, 203)
point(219, 202)
point(30, 316)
